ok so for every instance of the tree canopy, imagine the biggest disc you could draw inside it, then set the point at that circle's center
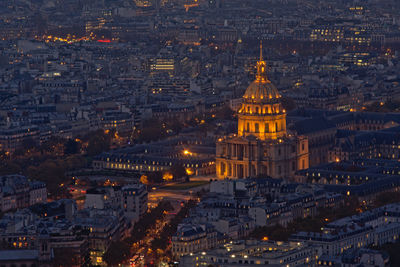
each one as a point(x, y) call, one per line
point(117, 253)
point(98, 142)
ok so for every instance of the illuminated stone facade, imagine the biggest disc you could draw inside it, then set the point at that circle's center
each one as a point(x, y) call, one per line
point(262, 145)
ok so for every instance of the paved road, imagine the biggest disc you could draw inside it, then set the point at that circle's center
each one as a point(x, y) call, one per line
point(174, 197)
point(159, 194)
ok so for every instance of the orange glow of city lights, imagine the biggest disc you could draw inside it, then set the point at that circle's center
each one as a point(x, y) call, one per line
point(167, 176)
point(189, 171)
point(187, 152)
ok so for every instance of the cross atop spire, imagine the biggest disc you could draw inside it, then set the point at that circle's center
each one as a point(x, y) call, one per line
point(261, 48)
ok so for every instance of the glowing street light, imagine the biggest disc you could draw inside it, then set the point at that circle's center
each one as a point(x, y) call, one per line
point(187, 152)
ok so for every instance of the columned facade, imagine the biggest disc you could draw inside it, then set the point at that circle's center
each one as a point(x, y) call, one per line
point(239, 157)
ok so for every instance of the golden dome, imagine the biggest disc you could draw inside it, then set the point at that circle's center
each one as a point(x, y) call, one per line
point(262, 115)
point(261, 90)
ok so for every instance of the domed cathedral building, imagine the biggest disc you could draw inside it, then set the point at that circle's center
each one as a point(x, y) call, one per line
point(262, 146)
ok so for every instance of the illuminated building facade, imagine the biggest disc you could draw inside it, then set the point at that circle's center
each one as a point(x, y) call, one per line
point(327, 34)
point(191, 239)
point(162, 64)
point(262, 145)
point(143, 3)
point(11, 139)
point(351, 34)
point(134, 201)
point(196, 156)
point(256, 253)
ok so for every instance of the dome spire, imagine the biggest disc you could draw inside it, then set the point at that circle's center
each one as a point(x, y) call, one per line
point(261, 67)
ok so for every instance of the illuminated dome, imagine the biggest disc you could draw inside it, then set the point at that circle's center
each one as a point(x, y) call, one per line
point(262, 114)
point(261, 92)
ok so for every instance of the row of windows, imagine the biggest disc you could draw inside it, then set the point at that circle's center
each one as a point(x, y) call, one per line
point(229, 169)
point(257, 110)
point(267, 128)
point(188, 165)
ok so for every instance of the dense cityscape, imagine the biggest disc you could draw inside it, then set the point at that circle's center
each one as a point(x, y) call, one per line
point(216, 133)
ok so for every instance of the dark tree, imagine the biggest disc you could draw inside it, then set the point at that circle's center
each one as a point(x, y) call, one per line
point(71, 147)
point(166, 205)
point(52, 145)
point(155, 177)
point(52, 173)
point(178, 171)
point(65, 257)
point(28, 143)
point(74, 162)
point(117, 253)
point(161, 242)
point(98, 143)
